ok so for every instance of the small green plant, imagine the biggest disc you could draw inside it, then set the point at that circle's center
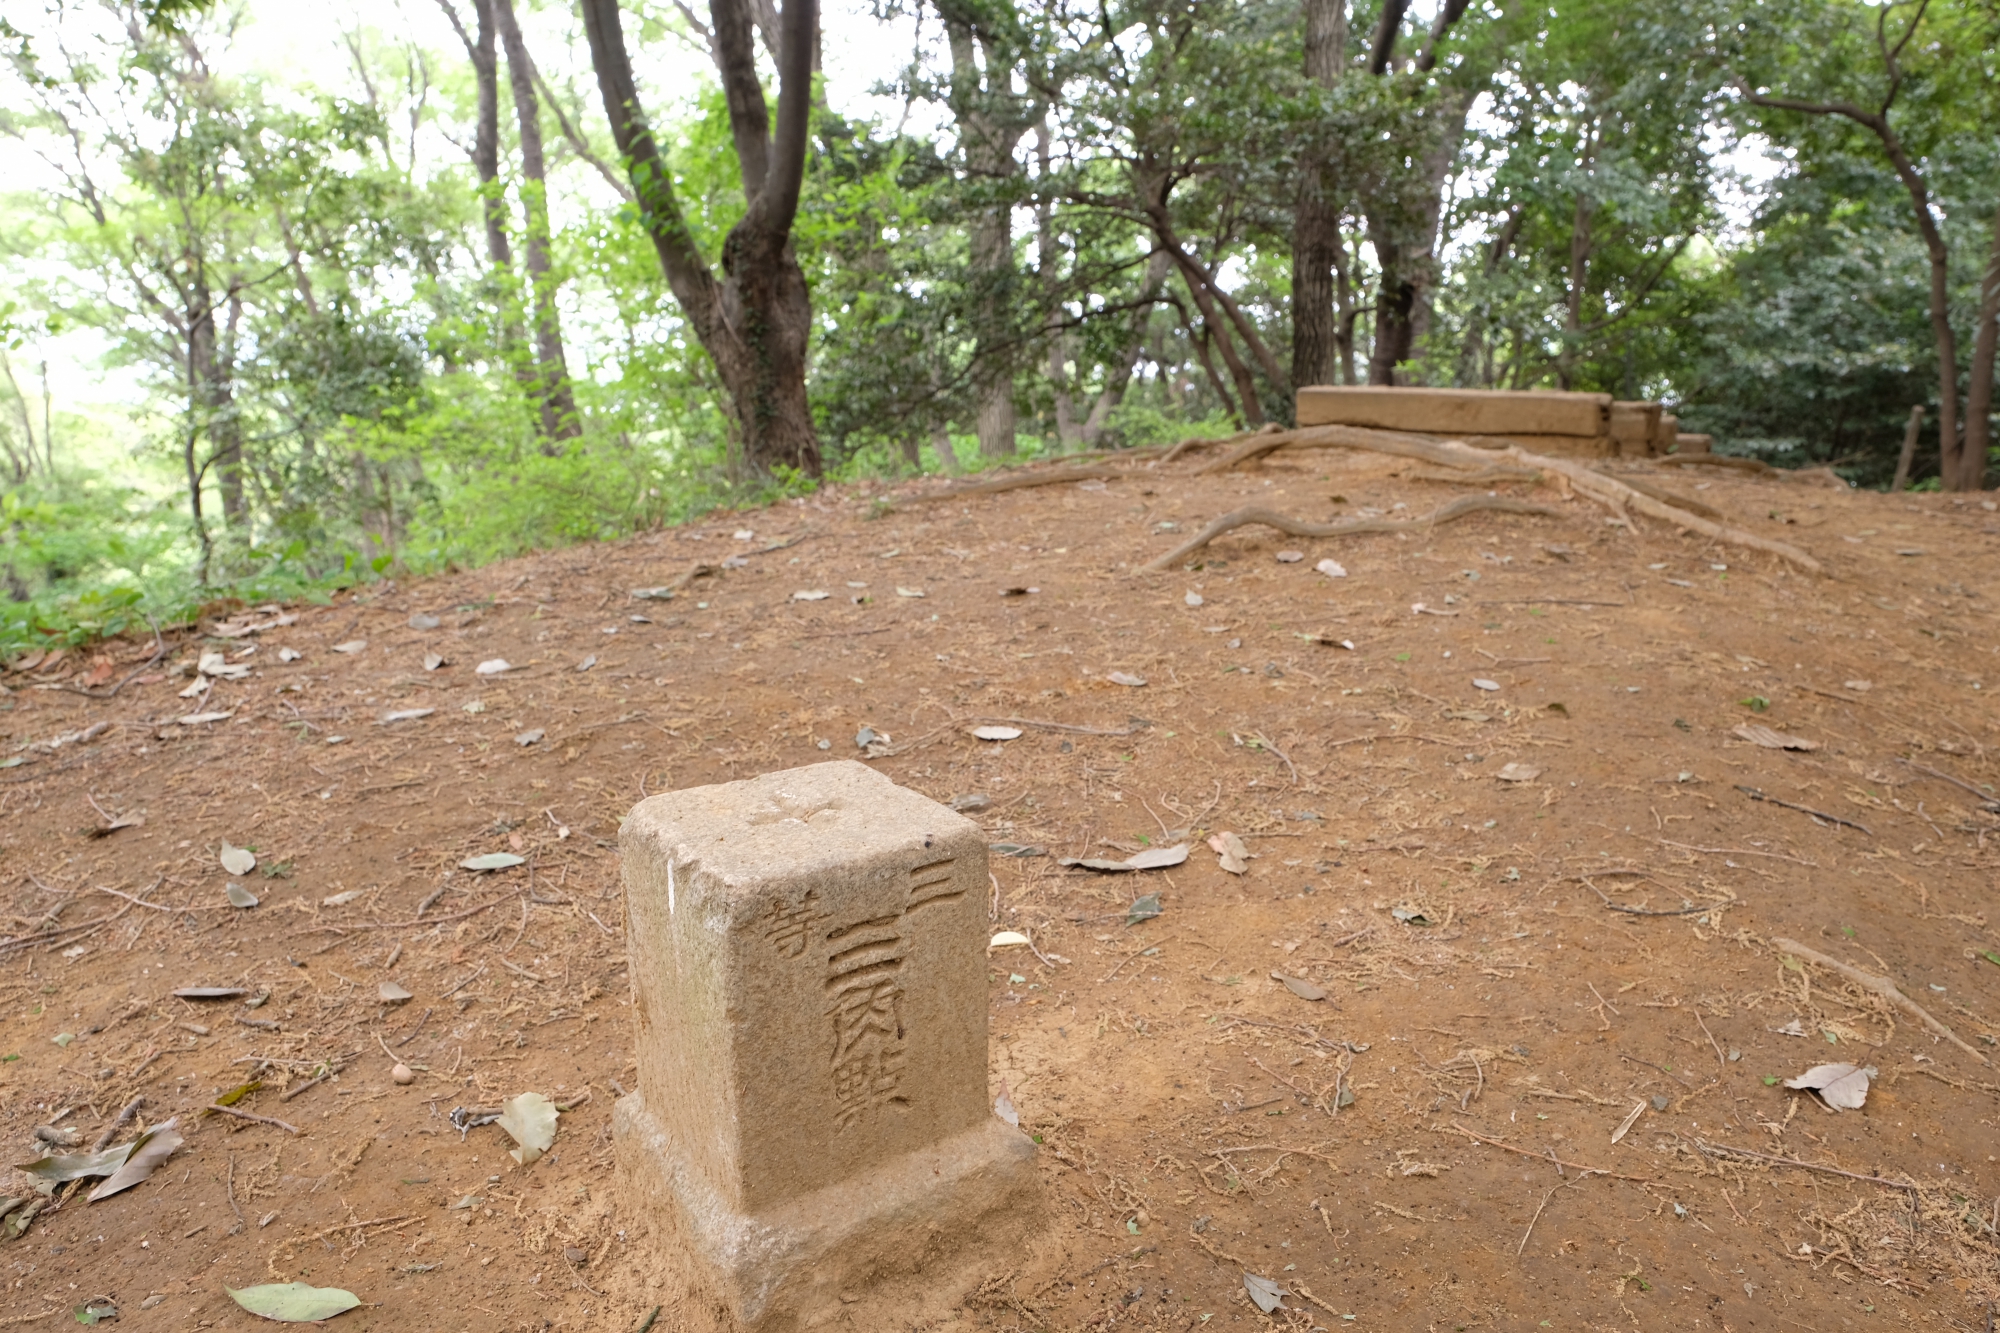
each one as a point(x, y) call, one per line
point(1756, 703)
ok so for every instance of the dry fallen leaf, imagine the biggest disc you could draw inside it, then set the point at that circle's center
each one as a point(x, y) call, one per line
point(531, 1119)
point(407, 714)
point(997, 733)
point(1518, 773)
point(1759, 734)
point(1125, 678)
point(1266, 1294)
point(1005, 938)
point(392, 993)
point(351, 646)
point(239, 896)
point(237, 860)
point(1290, 557)
point(1843, 1087)
point(1333, 569)
point(432, 661)
point(1158, 858)
point(1631, 1118)
point(294, 1302)
point(1305, 990)
point(1235, 857)
point(148, 1151)
point(810, 595)
point(493, 667)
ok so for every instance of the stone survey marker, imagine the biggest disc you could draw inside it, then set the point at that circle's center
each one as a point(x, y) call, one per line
point(812, 1124)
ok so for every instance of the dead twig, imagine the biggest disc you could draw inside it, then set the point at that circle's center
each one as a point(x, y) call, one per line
point(1641, 911)
point(1713, 1149)
point(284, 1248)
point(1541, 1157)
point(259, 1119)
point(1545, 1203)
point(1987, 802)
point(1883, 987)
point(1756, 795)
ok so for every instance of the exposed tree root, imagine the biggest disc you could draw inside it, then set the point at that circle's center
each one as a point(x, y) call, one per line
point(1298, 528)
point(1404, 444)
point(1665, 496)
point(1883, 987)
point(1485, 476)
point(1755, 465)
point(1200, 443)
point(1614, 493)
point(1020, 482)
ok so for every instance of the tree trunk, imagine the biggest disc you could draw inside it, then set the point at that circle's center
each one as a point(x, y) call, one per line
point(1404, 232)
point(480, 50)
point(1956, 469)
point(552, 387)
point(1318, 250)
point(1048, 263)
point(1979, 393)
point(1118, 376)
point(1908, 456)
point(990, 126)
point(756, 322)
point(1578, 278)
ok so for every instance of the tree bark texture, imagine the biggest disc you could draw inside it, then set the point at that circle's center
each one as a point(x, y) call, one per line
point(991, 120)
point(1118, 376)
point(1403, 225)
point(1317, 247)
point(553, 392)
point(1979, 393)
point(755, 322)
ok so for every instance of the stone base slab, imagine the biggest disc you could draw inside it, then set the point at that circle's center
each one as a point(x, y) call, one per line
point(886, 1250)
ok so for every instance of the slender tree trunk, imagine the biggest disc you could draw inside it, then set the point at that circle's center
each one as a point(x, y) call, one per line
point(990, 122)
point(1908, 456)
point(1580, 246)
point(1048, 263)
point(1979, 393)
point(481, 50)
point(225, 421)
point(49, 418)
point(1956, 468)
point(1118, 375)
point(1318, 250)
point(756, 323)
point(552, 384)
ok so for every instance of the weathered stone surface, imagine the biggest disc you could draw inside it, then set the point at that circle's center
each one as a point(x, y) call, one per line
point(1667, 435)
point(1456, 411)
point(1636, 427)
point(808, 961)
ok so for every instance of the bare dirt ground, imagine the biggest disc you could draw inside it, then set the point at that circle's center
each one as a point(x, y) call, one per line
point(1511, 964)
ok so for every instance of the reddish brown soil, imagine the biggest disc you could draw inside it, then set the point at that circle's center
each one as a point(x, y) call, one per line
point(1185, 1100)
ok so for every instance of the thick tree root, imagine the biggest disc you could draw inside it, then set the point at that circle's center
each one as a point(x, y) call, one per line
point(1298, 528)
point(1615, 495)
point(1020, 482)
point(1202, 443)
point(1404, 444)
point(1612, 492)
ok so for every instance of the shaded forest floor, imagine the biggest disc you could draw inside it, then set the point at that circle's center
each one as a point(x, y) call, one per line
point(1411, 1150)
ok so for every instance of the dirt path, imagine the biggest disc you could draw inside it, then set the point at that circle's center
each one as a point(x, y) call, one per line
point(1533, 905)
